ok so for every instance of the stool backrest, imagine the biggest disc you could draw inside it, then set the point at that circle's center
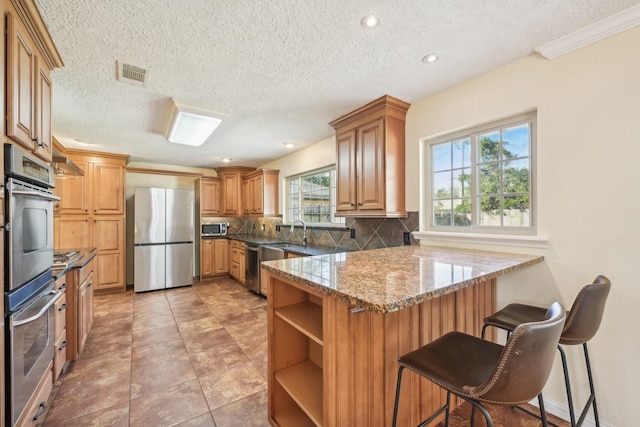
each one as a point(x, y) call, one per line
point(525, 362)
point(583, 320)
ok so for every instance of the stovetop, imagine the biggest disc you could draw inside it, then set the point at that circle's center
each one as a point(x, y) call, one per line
point(64, 259)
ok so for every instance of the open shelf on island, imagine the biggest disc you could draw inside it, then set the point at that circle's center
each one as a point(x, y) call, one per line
point(305, 317)
point(303, 383)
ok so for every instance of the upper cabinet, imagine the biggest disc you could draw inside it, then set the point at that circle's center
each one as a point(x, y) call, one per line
point(210, 197)
point(370, 160)
point(231, 189)
point(30, 57)
point(260, 193)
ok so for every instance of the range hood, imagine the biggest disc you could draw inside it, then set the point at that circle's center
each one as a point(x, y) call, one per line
point(63, 165)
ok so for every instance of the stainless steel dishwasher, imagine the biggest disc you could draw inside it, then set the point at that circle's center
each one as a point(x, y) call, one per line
point(254, 256)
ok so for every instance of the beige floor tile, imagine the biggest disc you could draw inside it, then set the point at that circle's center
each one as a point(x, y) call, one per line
point(232, 383)
point(250, 411)
point(169, 407)
point(114, 416)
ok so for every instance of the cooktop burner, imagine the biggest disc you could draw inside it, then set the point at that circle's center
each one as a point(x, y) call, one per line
point(63, 259)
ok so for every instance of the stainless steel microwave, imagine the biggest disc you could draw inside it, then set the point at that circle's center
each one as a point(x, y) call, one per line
point(214, 229)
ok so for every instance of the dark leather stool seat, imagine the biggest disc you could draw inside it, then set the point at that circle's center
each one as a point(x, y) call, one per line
point(583, 321)
point(481, 371)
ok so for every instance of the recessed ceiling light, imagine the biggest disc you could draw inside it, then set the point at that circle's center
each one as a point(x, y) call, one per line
point(225, 159)
point(432, 57)
point(370, 21)
point(288, 144)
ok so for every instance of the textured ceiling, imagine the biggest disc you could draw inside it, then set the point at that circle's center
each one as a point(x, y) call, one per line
point(282, 69)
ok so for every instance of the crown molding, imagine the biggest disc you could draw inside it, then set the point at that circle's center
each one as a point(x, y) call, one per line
point(597, 31)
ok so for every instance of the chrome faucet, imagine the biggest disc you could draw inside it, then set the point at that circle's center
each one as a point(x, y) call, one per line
point(304, 231)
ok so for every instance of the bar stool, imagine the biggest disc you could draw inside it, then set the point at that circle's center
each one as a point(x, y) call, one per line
point(583, 321)
point(481, 371)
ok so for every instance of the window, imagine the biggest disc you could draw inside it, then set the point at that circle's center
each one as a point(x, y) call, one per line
point(311, 197)
point(481, 179)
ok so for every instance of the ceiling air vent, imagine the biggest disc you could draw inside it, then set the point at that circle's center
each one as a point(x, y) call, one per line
point(132, 75)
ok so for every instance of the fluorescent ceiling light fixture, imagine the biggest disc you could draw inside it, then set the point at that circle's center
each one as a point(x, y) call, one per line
point(191, 124)
point(370, 21)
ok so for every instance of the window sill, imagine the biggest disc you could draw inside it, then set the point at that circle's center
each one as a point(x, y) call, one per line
point(487, 239)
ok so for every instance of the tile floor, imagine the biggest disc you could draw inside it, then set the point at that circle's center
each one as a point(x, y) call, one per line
point(193, 356)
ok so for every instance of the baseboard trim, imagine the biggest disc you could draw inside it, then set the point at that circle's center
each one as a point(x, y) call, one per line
point(561, 410)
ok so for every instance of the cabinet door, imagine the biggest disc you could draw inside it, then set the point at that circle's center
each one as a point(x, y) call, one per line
point(210, 197)
point(108, 188)
point(206, 257)
point(257, 194)
point(42, 113)
point(108, 240)
point(370, 166)
point(73, 192)
point(71, 233)
point(221, 256)
point(246, 196)
point(85, 311)
point(230, 194)
point(21, 60)
point(346, 171)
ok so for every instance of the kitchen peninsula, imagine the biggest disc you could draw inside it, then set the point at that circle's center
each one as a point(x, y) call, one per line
point(339, 322)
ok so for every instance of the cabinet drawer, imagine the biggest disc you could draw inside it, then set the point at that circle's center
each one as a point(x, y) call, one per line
point(60, 307)
point(60, 356)
point(35, 409)
point(86, 271)
point(235, 270)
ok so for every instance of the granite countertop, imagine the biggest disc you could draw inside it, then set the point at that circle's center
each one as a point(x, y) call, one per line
point(387, 280)
point(85, 255)
point(307, 250)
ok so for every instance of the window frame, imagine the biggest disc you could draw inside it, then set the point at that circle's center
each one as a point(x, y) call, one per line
point(299, 176)
point(426, 185)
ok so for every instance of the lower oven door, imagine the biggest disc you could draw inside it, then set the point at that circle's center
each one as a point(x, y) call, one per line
point(30, 231)
point(31, 346)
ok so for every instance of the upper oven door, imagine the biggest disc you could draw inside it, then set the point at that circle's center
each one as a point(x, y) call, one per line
point(30, 233)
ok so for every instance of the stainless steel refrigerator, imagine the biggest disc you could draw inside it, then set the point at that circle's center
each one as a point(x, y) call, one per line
point(163, 238)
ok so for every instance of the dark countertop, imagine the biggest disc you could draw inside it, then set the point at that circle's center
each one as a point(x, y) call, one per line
point(256, 240)
point(86, 255)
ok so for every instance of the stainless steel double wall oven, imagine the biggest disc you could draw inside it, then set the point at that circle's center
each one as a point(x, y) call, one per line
point(29, 286)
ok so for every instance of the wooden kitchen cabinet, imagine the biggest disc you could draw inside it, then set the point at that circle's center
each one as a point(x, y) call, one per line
point(60, 309)
point(370, 160)
point(231, 189)
point(91, 214)
point(213, 257)
point(79, 302)
point(260, 193)
point(210, 197)
point(108, 239)
point(71, 232)
point(85, 311)
point(30, 57)
point(237, 262)
point(73, 191)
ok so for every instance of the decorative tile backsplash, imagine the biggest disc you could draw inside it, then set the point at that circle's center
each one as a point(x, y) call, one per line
point(370, 233)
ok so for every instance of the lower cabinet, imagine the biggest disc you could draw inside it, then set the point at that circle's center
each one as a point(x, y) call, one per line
point(60, 307)
point(80, 288)
point(237, 262)
point(36, 407)
point(213, 257)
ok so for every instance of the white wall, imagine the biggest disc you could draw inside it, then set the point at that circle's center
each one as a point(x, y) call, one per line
point(588, 153)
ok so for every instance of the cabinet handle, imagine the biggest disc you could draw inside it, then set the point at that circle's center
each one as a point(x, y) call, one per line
point(63, 307)
point(352, 204)
point(64, 286)
point(38, 143)
point(41, 410)
point(357, 310)
point(63, 345)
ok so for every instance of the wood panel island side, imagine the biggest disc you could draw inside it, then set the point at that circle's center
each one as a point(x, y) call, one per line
point(339, 322)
